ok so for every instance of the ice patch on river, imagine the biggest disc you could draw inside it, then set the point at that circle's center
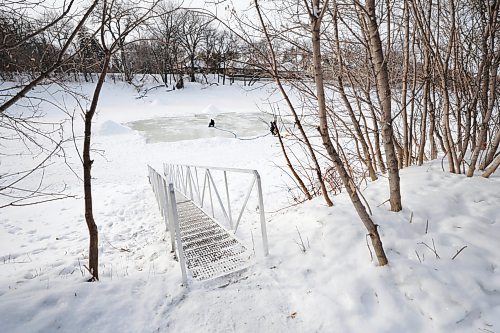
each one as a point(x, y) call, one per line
point(228, 125)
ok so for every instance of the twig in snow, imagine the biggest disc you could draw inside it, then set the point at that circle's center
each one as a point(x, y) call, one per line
point(253, 243)
point(92, 279)
point(368, 246)
point(432, 249)
point(426, 226)
point(80, 266)
point(301, 244)
point(298, 202)
point(434, 246)
point(145, 92)
point(411, 217)
point(442, 161)
point(418, 256)
point(121, 249)
point(458, 252)
point(383, 202)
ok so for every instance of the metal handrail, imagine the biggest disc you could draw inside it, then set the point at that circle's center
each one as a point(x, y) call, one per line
point(214, 168)
point(175, 218)
point(186, 180)
point(165, 196)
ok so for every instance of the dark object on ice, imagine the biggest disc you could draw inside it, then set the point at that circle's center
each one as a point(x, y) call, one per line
point(273, 129)
point(212, 123)
point(180, 83)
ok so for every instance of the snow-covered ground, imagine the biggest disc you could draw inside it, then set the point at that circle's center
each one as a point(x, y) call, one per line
point(332, 286)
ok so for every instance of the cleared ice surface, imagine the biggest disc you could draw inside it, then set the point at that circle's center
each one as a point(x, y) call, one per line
point(229, 125)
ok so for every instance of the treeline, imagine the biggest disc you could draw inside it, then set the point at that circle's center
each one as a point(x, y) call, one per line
point(441, 58)
point(172, 42)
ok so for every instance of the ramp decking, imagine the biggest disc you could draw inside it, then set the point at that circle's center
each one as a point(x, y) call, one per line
point(210, 250)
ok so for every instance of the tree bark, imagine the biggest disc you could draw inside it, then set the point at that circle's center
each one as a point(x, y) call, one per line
point(492, 150)
point(292, 169)
point(87, 176)
point(316, 17)
point(384, 91)
point(484, 126)
point(404, 90)
point(192, 73)
point(378, 150)
point(492, 167)
point(277, 79)
point(423, 122)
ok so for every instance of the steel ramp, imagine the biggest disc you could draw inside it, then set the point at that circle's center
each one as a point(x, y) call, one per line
point(210, 250)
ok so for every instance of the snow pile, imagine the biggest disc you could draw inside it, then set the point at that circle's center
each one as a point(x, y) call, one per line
point(420, 291)
point(211, 110)
point(318, 277)
point(110, 127)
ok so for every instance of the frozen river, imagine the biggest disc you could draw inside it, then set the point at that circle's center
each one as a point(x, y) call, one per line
point(229, 125)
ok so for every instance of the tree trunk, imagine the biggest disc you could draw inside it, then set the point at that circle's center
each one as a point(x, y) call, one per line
point(448, 139)
point(292, 169)
point(404, 90)
point(492, 167)
point(378, 150)
point(384, 92)
point(484, 128)
point(87, 178)
point(277, 79)
point(492, 151)
point(323, 130)
point(423, 122)
point(192, 74)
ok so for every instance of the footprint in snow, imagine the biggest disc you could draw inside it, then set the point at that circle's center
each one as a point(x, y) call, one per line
point(13, 229)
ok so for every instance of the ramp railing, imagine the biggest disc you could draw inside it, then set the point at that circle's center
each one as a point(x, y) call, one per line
point(201, 185)
point(165, 196)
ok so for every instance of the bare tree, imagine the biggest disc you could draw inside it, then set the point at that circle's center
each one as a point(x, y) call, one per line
point(384, 94)
point(316, 12)
point(22, 90)
point(33, 48)
point(193, 29)
point(128, 18)
point(165, 35)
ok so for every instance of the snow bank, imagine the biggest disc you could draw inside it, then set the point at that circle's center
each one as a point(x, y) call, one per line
point(110, 127)
point(211, 110)
point(318, 277)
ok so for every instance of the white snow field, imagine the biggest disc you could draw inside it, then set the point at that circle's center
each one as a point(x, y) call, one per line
point(333, 286)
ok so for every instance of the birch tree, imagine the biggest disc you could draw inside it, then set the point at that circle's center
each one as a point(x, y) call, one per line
point(384, 94)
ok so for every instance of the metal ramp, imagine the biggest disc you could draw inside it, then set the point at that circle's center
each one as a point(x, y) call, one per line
point(209, 249)
point(203, 246)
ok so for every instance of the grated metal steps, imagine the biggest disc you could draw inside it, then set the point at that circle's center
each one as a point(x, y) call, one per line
point(210, 250)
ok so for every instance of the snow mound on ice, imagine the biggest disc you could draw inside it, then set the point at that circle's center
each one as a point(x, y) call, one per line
point(211, 109)
point(110, 127)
